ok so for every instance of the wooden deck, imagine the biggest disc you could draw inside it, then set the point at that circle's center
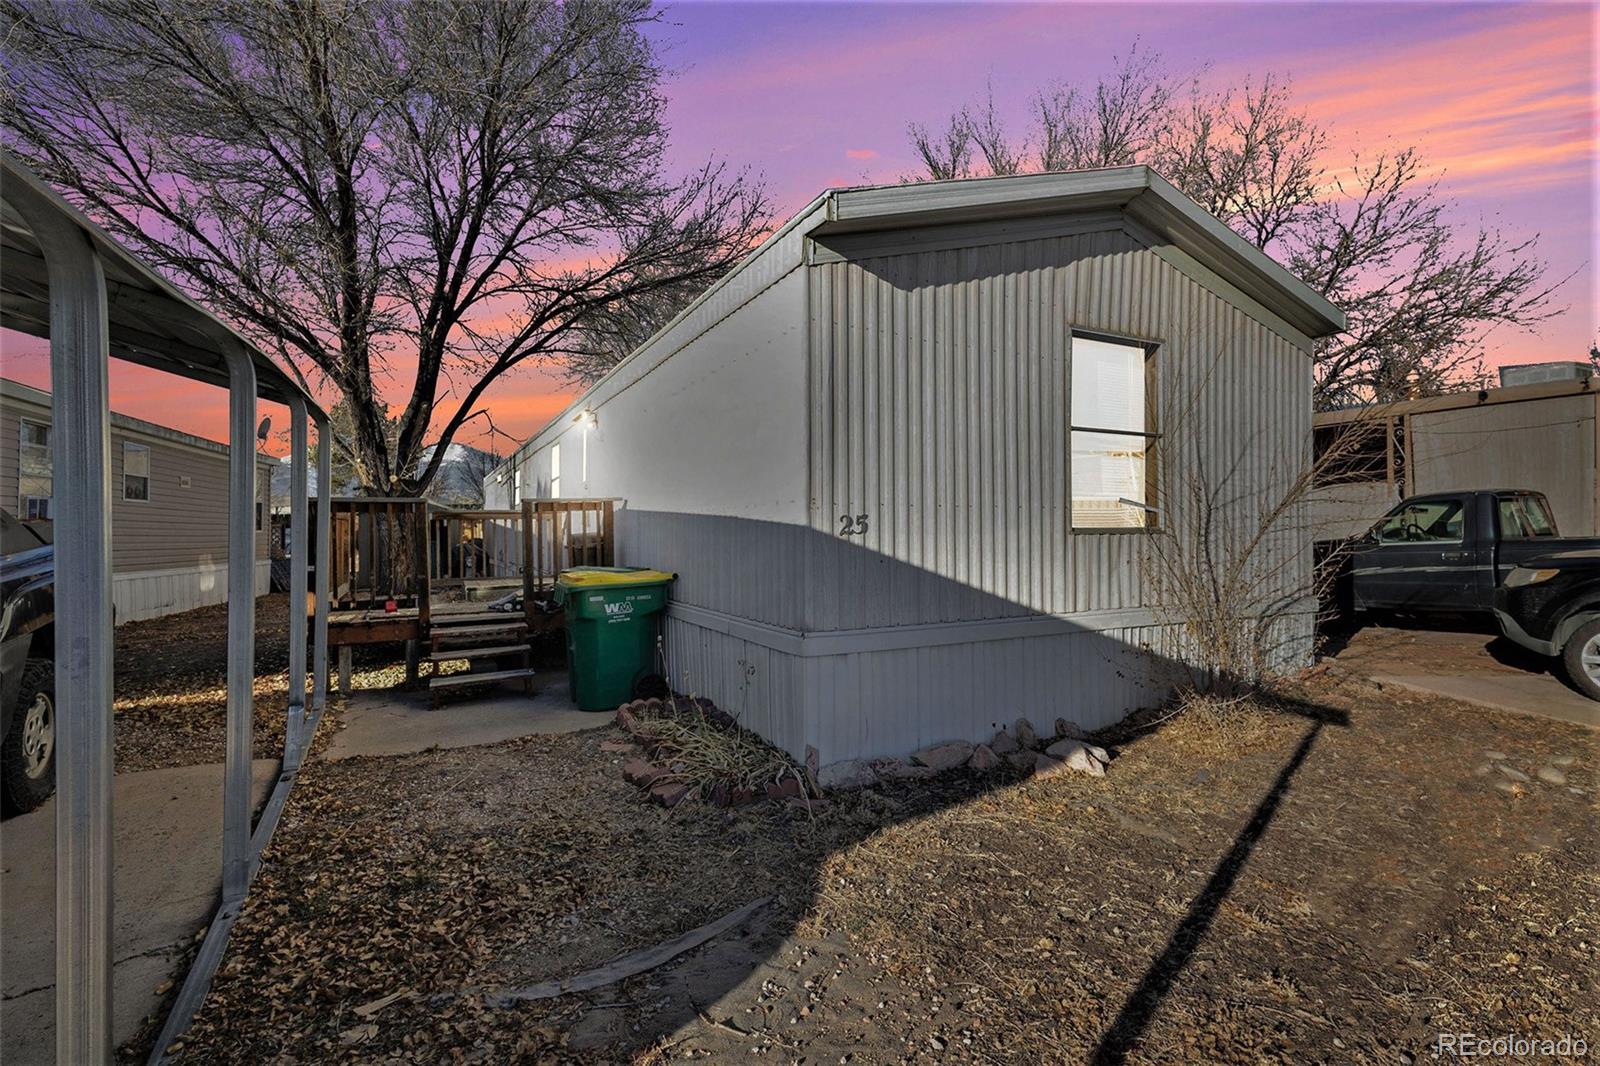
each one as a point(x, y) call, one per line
point(428, 561)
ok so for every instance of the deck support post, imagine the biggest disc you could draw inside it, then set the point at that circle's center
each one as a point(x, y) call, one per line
point(81, 442)
point(344, 669)
point(241, 621)
point(319, 636)
point(300, 526)
point(411, 661)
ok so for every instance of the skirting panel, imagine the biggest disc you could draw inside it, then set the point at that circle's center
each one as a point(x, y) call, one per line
point(154, 593)
point(875, 703)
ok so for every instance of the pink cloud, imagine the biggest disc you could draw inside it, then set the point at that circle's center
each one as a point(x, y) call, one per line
point(860, 153)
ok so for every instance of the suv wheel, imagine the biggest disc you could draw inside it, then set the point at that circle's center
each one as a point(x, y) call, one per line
point(1582, 657)
point(28, 758)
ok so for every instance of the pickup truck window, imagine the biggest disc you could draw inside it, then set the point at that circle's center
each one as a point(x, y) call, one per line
point(1525, 517)
point(1429, 520)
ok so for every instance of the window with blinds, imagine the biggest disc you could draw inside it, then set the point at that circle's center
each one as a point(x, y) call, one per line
point(1113, 441)
point(135, 471)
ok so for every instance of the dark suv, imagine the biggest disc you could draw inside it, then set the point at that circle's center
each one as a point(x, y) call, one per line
point(27, 664)
point(1551, 605)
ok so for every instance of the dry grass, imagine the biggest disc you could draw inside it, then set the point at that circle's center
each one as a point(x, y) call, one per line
point(706, 752)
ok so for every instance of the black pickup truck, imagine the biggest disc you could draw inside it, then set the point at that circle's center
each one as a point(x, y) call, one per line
point(27, 664)
point(1449, 551)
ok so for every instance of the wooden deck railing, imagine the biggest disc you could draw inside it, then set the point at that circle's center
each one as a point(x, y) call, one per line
point(399, 549)
point(558, 534)
point(378, 552)
point(474, 549)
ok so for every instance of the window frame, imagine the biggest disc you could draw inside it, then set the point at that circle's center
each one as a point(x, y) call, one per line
point(555, 471)
point(24, 446)
point(148, 478)
point(1151, 432)
point(1400, 512)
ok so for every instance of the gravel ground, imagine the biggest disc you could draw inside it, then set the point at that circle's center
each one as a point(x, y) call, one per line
point(1340, 879)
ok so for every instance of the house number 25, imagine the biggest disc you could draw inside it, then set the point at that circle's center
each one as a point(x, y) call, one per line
point(852, 525)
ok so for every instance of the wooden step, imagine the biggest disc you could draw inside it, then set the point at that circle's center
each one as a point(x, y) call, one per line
point(474, 632)
point(450, 620)
point(453, 654)
point(458, 680)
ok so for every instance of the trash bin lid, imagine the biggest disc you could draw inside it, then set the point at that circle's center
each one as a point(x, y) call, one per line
point(582, 577)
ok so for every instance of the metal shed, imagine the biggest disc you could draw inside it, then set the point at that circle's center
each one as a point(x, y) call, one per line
point(894, 518)
point(64, 278)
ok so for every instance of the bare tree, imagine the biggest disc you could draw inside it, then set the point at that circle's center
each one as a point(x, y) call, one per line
point(947, 154)
point(1236, 569)
point(477, 184)
point(1421, 290)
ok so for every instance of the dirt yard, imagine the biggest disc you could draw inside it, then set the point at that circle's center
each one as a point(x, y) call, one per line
point(171, 685)
point(1340, 880)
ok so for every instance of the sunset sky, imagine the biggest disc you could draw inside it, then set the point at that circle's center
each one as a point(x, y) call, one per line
point(1500, 100)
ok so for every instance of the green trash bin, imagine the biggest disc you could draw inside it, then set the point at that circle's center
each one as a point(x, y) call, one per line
point(613, 613)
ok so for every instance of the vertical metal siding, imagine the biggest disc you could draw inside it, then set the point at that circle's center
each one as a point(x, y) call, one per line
point(941, 411)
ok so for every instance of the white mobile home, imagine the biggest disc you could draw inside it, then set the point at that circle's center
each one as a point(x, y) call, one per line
point(907, 457)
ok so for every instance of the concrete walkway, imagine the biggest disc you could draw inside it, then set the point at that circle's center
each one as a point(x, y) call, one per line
point(396, 723)
point(168, 854)
point(1480, 668)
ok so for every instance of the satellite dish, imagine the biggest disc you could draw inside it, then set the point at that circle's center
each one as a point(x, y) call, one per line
point(264, 428)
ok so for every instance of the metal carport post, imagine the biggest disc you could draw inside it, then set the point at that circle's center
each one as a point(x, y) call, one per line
point(294, 726)
point(319, 658)
point(81, 435)
point(241, 620)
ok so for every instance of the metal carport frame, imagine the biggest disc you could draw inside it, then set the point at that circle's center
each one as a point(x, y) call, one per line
point(63, 277)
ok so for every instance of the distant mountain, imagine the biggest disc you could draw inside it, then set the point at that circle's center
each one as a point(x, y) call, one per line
point(459, 482)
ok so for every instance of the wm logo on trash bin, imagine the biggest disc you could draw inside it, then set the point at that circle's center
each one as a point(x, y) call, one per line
point(626, 607)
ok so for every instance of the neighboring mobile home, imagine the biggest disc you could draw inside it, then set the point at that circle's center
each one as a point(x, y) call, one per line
point(169, 494)
point(1538, 436)
point(908, 457)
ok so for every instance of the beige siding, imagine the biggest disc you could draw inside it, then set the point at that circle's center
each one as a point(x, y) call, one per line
point(179, 527)
point(1545, 445)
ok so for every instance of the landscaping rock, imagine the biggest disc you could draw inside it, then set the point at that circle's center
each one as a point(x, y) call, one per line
point(1072, 756)
point(1099, 753)
point(617, 745)
point(945, 756)
point(1563, 760)
point(1004, 743)
point(1069, 730)
point(1062, 748)
point(850, 773)
point(1551, 776)
point(1048, 766)
point(1022, 760)
point(1085, 763)
point(669, 793)
point(1022, 729)
point(638, 772)
point(983, 758)
point(1512, 772)
point(1495, 756)
point(895, 770)
point(626, 719)
point(788, 788)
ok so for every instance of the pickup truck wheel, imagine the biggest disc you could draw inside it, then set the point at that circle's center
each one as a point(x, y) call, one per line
point(1582, 657)
point(28, 756)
